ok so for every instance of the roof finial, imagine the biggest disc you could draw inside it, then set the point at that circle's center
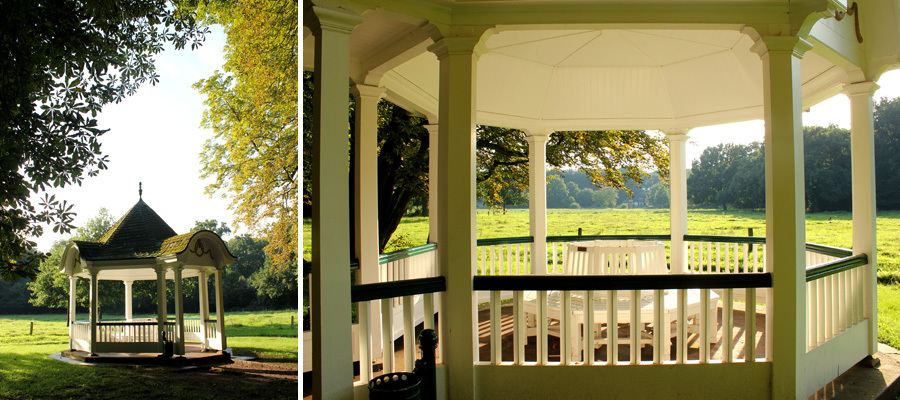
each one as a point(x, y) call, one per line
point(140, 191)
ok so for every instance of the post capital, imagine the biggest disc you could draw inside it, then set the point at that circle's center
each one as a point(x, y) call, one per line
point(361, 90)
point(432, 128)
point(458, 46)
point(865, 88)
point(780, 44)
point(677, 135)
point(320, 18)
point(537, 135)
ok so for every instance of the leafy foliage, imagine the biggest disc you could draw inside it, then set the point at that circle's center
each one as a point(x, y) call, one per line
point(887, 153)
point(252, 111)
point(608, 158)
point(63, 60)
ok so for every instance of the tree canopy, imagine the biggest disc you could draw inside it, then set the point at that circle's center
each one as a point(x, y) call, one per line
point(252, 111)
point(62, 61)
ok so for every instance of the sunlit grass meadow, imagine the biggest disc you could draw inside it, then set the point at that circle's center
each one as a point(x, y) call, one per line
point(26, 371)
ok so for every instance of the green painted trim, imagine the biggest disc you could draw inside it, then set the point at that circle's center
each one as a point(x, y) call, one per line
point(836, 266)
point(828, 250)
point(512, 240)
point(389, 290)
point(725, 239)
point(623, 282)
point(406, 253)
point(606, 237)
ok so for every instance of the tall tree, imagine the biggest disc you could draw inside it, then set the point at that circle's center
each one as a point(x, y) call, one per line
point(252, 111)
point(62, 61)
point(827, 168)
point(219, 228)
point(50, 288)
point(887, 149)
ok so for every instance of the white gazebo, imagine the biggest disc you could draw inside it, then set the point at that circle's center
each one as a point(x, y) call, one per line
point(141, 246)
point(547, 66)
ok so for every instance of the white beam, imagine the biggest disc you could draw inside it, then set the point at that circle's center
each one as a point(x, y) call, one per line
point(203, 284)
point(432, 181)
point(332, 356)
point(128, 299)
point(161, 305)
point(179, 310)
point(785, 209)
point(95, 305)
point(678, 198)
point(456, 215)
point(537, 199)
point(862, 147)
point(365, 194)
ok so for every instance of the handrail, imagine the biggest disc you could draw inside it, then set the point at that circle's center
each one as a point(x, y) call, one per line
point(401, 254)
point(828, 250)
point(623, 282)
point(132, 323)
point(726, 239)
point(836, 266)
point(389, 290)
point(511, 240)
point(568, 238)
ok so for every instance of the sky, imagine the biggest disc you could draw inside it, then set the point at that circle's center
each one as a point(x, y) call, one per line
point(155, 138)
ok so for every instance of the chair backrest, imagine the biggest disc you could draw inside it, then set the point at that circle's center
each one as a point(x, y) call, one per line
point(616, 257)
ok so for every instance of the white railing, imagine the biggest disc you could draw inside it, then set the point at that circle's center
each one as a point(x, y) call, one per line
point(382, 298)
point(658, 326)
point(412, 263)
point(834, 297)
point(725, 254)
point(510, 256)
point(132, 332)
point(211, 327)
point(81, 330)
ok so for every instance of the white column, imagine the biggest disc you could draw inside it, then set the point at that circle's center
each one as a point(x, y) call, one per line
point(456, 215)
point(330, 313)
point(73, 287)
point(862, 147)
point(203, 284)
point(161, 304)
point(220, 311)
point(678, 198)
point(432, 181)
point(785, 209)
point(537, 199)
point(94, 308)
point(365, 194)
point(128, 300)
point(179, 310)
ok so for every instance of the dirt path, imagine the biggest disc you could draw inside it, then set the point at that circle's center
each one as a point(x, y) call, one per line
point(237, 379)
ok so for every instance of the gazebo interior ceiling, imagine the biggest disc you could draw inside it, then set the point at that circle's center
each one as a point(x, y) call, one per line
point(588, 79)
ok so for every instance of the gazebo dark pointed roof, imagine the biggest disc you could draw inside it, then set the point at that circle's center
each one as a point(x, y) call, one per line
point(140, 233)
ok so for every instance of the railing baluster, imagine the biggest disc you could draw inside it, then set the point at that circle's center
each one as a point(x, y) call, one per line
point(565, 331)
point(681, 321)
point(708, 256)
point(635, 322)
point(588, 327)
point(387, 335)
point(612, 327)
point(519, 328)
point(750, 330)
point(704, 325)
point(728, 325)
point(496, 339)
point(660, 332)
point(428, 311)
point(812, 310)
point(542, 328)
point(409, 333)
point(365, 355)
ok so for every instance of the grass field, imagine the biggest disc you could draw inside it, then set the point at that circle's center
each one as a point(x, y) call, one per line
point(27, 372)
point(832, 229)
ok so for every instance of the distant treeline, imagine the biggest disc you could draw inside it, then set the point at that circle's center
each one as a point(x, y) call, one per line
point(734, 175)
